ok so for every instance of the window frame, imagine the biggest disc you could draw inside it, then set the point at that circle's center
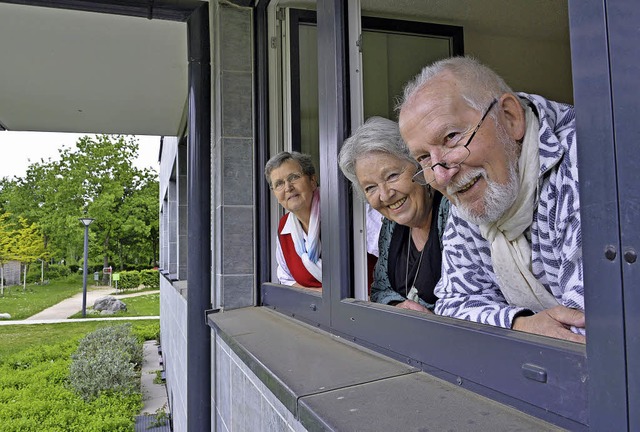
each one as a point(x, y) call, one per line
point(603, 389)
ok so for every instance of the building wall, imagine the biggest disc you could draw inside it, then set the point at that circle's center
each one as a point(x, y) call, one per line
point(11, 273)
point(243, 402)
point(173, 340)
point(232, 156)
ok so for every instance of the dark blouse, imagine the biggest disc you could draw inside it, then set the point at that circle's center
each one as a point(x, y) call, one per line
point(429, 269)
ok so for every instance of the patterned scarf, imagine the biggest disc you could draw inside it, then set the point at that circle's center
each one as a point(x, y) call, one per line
point(510, 250)
point(309, 249)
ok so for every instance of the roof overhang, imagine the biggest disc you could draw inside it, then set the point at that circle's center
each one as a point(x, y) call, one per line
point(114, 71)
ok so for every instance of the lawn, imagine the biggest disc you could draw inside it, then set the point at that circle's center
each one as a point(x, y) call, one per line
point(34, 375)
point(22, 304)
point(144, 305)
point(15, 338)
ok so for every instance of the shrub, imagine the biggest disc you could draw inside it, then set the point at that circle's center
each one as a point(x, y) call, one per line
point(56, 270)
point(129, 280)
point(74, 268)
point(106, 362)
point(148, 331)
point(150, 278)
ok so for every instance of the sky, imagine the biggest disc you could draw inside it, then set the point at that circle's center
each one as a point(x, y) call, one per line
point(18, 150)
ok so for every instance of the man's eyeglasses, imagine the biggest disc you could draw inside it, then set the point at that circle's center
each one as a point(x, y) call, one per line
point(453, 158)
point(278, 185)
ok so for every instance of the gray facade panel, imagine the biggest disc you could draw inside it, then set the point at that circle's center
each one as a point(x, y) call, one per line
point(237, 117)
point(223, 384)
point(237, 177)
point(238, 291)
point(236, 32)
point(237, 240)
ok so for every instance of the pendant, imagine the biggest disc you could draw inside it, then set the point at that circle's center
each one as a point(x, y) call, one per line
point(413, 294)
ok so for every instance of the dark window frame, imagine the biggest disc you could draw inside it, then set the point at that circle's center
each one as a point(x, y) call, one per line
point(374, 24)
point(499, 378)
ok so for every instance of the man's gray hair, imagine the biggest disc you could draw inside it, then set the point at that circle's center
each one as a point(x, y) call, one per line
point(479, 85)
point(304, 160)
point(376, 135)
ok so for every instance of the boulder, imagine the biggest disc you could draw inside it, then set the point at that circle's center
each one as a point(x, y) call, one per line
point(109, 304)
point(5, 316)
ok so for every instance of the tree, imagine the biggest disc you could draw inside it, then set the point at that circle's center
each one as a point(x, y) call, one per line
point(96, 179)
point(28, 246)
point(7, 245)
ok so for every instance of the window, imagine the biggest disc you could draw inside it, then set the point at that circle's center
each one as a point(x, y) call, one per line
point(539, 374)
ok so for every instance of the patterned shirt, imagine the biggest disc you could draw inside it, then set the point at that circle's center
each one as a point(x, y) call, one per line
point(469, 288)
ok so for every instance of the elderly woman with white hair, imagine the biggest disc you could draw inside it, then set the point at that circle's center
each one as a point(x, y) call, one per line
point(380, 168)
point(292, 178)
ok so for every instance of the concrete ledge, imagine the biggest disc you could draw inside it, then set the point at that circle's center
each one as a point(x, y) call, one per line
point(331, 384)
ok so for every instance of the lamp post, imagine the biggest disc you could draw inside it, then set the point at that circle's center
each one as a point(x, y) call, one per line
point(86, 222)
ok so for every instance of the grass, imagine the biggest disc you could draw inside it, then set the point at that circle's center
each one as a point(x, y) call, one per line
point(16, 338)
point(144, 305)
point(34, 374)
point(23, 304)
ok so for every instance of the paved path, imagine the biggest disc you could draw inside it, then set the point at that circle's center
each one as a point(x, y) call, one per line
point(73, 305)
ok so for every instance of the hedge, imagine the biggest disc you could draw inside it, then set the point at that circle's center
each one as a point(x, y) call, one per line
point(129, 280)
point(150, 278)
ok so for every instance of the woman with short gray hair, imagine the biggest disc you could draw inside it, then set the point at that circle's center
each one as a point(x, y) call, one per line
point(380, 168)
point(292, 178)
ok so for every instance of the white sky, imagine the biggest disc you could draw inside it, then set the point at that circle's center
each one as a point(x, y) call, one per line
point(18, 150)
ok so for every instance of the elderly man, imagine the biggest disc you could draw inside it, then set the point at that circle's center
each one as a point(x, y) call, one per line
point(512, 252)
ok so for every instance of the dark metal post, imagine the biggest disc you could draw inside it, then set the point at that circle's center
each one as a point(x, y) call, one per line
point(85, 269)
point(199, 224)
point(86, 222)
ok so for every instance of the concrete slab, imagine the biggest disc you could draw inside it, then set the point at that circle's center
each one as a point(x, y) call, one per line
point(154, 396)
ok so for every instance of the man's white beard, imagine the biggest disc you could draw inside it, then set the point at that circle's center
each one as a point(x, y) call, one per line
point(498, 198)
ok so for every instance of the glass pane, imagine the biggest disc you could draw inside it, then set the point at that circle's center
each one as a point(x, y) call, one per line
point(390, 60)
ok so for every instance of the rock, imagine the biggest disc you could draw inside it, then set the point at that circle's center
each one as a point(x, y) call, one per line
point(109, 304)
point(5, 316)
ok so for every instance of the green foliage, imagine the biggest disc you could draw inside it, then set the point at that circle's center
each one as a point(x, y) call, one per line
point(146, 330)
point(96, 178)
point(51, 272)
point(150, 278)
point(161, 417)
point(55, 271)
point(106, 362)
point(158, 378)
point(18, 338)
point(34, 391)
point(129, 280)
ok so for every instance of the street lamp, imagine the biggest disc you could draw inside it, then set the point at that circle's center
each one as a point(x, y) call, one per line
point(86, 222)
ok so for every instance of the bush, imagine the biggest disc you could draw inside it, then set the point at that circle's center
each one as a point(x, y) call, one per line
point(150, 278)
point(55, 271)
point(129, 280)
point(34, 392)
point(105, 362)
point(74, 268)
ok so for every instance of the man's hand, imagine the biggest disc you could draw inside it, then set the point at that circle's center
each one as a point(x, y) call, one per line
point(410, 304)
point(554, 322)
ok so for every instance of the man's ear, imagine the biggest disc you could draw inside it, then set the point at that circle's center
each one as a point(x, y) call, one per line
point(513, 117)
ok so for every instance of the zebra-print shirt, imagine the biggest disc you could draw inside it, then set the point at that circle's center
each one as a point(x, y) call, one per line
point(469, 288)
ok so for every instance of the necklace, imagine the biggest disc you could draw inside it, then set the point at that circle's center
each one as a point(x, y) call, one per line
point(406, 273)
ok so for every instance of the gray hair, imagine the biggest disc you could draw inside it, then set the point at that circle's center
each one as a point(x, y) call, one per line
point(479, 85)
point(304, 160)
point(376, 135)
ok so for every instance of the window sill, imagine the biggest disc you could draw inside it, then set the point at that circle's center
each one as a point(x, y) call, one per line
point(329, 383)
